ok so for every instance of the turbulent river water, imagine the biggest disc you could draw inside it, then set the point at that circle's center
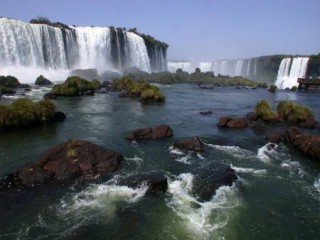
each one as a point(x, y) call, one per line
point(277, 196)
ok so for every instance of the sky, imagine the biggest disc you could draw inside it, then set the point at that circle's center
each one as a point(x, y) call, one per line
point(196, 30)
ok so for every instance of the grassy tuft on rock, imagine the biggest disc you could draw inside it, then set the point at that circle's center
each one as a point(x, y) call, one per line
point(264, 111)
point(292, 111)
point(74, 86)
point(23, 113)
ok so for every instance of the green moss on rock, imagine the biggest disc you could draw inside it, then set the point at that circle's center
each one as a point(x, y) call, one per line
point(74, 86)
point(264, 111)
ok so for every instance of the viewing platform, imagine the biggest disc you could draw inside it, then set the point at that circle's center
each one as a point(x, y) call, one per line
point(305, 83)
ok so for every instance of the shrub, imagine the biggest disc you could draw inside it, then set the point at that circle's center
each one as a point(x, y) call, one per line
point(294, 88)
point(264, 111)
point(272, 88)
point(74, 86)
point(23, 112)
point(289, 110)
point(9, 82)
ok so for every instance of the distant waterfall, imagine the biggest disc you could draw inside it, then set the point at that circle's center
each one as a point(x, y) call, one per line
point(28, 50)
point(290, 70)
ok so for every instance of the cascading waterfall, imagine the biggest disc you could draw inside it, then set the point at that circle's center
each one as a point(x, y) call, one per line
point(289, 73)
point(239, 68)
point(28, 50)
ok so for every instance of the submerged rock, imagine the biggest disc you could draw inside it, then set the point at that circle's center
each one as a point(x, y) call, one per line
point(156, 181)
point(209, 178)
point(206, 113)
point(158, 132)
point(66, 161)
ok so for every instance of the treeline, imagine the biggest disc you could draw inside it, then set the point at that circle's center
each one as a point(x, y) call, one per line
point(196, 77)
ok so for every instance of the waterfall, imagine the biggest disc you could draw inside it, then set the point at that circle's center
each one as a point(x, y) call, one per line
point(28, 50)
point(288, 73)
point(238, 70)
point(248, 67)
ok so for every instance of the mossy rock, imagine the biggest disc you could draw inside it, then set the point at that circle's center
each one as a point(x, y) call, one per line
point(74, 86)
point(42, 81)
point(264, 111)
point(9, 82)
point(292, 111)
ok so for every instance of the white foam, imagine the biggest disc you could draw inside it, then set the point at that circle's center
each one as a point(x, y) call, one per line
point(233, 150)
point(317, 184)
point(266, 151)
point(201, 218)
point(175, 151)
point(293, 167)
point(135, 159)
point(185, 159)
point(249, 170)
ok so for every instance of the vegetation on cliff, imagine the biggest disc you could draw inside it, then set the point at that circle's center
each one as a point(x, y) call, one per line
point(24, 112)
point(140, 89)
point(45, 20)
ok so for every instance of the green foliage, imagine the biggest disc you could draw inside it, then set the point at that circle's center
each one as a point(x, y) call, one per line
point(140, 88)
point(9, 82)
point(45, 20)
point(74, 86)
point(264, 111)
point(23, 112)
point(289, 110)
point(272, 88)
point(294, 88)
point(96, 84)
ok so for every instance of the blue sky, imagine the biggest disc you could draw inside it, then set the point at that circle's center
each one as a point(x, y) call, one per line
point(194, 29)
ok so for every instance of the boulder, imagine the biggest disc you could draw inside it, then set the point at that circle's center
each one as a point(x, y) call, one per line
point(308, 123)
point(156, 181)
point(209, 178)
point(237, 123)
point(66, 161)
point(222, 122)
point(49, 95)
point(158, 132)
point(307, 143)
point(189, 144)
point(42, 81)
point(58, 117)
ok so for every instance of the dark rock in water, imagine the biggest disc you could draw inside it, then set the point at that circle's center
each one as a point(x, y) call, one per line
point(156, 181)
point(208, 179)
point(158, 132)
point(307, 143)
point(58, 117)
point(237, 123)
point(308, 123)
point(42, 81)
point(66, 161)
point(232, 122)
point(206, 113)
point(27, 89)
point(222, 122)
point(190, 144)
point(123, 94)
point(252, 116)
point(206, 87)
point(274, 137)
point(49, 95)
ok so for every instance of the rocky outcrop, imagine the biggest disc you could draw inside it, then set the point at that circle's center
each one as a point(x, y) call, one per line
point(65, 162)
point(158, 132)
point(190, 144)
point(230, 122)
point(205, 113)
point(307, 143)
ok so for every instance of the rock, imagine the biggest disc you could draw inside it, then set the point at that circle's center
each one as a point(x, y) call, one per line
point(161, 131)
point(158, 132)
point(307, 143)
point(252, 116)
point(222, 122)
point(237, 123)
point(190, 144)
point(24, 85)
point(156, 181)
point(67, 161)
point(274, 137)
point(206, 113)
point(49, 95)
point(308, 123)
point(58, 117)
point(209, 178)
point(42, 81)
